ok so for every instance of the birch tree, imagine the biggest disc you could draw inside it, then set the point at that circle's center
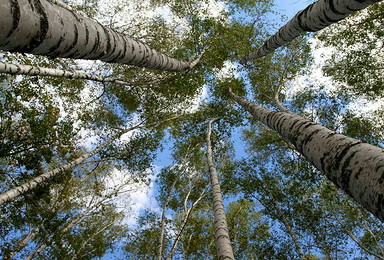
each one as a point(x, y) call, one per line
point(75, 36)
point(352, 165)
point(223, 244)
point(358, 54)
point(315, 17)
point(42, 179)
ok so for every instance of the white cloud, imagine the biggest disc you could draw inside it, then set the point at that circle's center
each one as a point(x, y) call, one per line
point(227, 71)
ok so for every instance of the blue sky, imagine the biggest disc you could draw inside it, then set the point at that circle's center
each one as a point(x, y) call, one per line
point(287, 8)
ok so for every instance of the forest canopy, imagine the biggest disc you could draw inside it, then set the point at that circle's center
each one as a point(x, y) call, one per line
point(197, 129)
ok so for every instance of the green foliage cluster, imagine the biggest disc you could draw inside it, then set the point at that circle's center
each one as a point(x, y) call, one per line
point(278, 206)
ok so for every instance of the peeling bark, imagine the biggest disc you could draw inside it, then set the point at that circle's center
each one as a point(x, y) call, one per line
point(222, 242)
point(43, 28)
point(315, 17)
point(354, 166)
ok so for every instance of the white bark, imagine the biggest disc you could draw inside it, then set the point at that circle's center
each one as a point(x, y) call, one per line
point(315, 17)
point(352, 236)
point(68, 227)
point(162, 228)
point(23, 243)
point(43, 178)
point(354, 166)
point(187, 213)
point(10, 68)
point(77, 254)
point(222, 242)
point(44, 28)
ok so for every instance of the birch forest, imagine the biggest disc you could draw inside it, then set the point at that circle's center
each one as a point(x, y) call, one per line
point(191, 129)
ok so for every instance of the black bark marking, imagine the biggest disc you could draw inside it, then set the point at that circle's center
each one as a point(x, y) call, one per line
point(53, 52)
point(330, 20)
point(97, 42)
point(44, 26)
point(280, 122)
point(339, 157)
point(269, 118)
point(294, 136)
point(345, 175)
point(333, 8)
point(380, 206)
point(15, 9)
point(74, 43)
point(323, 164)
point(307, 139)
point(86, 35)
point(108, 39)
point(114, 46)
point(357, 175)
point(381, 179)
point(300, 19)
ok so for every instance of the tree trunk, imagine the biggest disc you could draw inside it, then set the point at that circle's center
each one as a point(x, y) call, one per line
point(223, 244)
point(161, 238)
point(10, 68)
point(352, 236)
point(354, 166)
point(69, 226)
point(77, 254)
point(288, 227)
point(315, 17)
point(43, 28)
point(22, 243)
point(187, 213)
point(43, 178)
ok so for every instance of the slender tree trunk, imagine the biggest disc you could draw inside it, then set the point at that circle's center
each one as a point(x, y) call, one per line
point(76, 255)
point(354, 166)
point(161, 238)
point(69, 226)
point(10, 68)
point(352, 236)
point(289, 228)
point(315, 17)
point(187, 213)
point(36, 252)
point(44, 28)
point(223, 244)
point(22, 243)
point(43, 178)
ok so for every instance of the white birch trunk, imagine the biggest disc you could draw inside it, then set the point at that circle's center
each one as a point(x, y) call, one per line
point(315, 17)
point(354, 166)
point(44, 28)
point(43, 178)
point(222, 242)
point(10, 68)
point(77, 254)
point(187, 213)
point(69, 226)
point(161, 238)
point(22, 243)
